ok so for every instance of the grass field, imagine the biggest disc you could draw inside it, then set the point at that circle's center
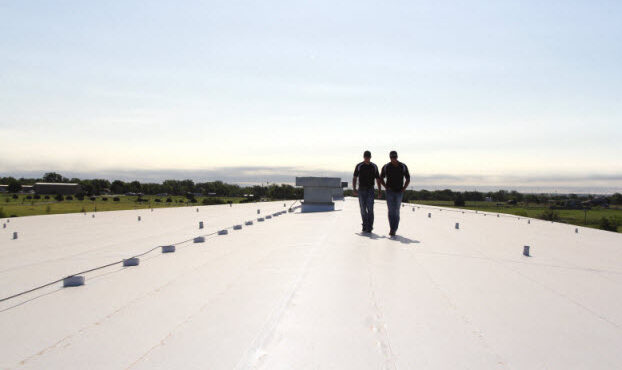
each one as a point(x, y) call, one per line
point(10, 207)
point(570, 216)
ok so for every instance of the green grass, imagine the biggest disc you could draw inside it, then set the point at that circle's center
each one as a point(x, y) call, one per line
point(570, 216)
point(30, 207)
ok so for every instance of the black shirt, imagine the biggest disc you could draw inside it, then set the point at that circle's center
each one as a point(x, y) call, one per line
point(395, 175)
point(366, 174)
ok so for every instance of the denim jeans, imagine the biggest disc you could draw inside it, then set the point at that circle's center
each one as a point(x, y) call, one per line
point(394, 202)
point(366, 201)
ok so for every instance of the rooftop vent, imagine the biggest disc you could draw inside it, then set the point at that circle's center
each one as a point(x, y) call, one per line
point(319, 193)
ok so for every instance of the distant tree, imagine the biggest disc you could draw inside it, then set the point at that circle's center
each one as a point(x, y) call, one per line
point(459, 200)
point(58, 197)
point(616, 198)
point(135, 187)
point(14, 186)
point(609, 224)
point(549, 215)
point(54, 177)
point(118, 187)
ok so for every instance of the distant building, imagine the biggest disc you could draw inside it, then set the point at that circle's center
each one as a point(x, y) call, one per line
point(4, 188)
point(26, 189)
point(57, 188)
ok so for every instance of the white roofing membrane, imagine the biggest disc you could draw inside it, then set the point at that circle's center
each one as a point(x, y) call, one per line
point(309, 291)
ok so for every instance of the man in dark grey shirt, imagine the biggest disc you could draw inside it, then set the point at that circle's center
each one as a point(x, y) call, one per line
point(366, 172)
point(395, 172)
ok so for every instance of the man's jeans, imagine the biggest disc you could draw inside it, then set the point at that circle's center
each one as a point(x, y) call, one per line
point(394, 202)
point(366, 201)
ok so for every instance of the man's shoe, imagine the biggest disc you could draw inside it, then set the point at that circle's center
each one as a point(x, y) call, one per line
point(392, 233)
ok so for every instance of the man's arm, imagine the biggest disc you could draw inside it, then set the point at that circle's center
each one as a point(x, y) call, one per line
point(382, 176)
point(407, 175)
point(354, 192)
point(406, 184)
point(379, 182)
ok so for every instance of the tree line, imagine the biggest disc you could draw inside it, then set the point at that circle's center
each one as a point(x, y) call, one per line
point(91, 187)
point(184, 187)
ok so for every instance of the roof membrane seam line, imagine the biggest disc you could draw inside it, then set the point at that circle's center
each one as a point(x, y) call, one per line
point(98, 268)
point(564, 296)
point(386, 348)
point(248, 359)
point(125, 306)
point(504, 265)
point(188, 318)
point(476, 329)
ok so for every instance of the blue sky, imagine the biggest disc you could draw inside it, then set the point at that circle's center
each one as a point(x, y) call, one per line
point(508, 93)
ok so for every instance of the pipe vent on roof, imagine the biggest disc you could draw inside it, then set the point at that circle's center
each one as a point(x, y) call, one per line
point(248, 223)
point(237, 227)
point(200, 224)
point(268, 217)
point(14, 235)
point(457, 225)
point(199, 239)
point(138, 218)
point(223, 232)
point(526, 251)
point(429, 215)
point(260, 219)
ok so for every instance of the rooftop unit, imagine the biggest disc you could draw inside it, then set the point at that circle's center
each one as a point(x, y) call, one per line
point(319, 193)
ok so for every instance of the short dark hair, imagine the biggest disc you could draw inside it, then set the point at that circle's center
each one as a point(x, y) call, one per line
point(393, 154)
point(367, 154)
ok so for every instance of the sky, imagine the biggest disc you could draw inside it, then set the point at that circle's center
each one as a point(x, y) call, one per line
point(522, 94)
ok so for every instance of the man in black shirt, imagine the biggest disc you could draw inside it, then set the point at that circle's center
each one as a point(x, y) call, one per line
point(395, 172)
point(366, 172)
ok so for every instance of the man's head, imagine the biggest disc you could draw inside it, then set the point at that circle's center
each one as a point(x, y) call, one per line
point(367, 156)
point(393, 156)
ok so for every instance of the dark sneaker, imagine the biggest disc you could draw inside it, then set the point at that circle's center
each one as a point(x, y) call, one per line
point(392, 233)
